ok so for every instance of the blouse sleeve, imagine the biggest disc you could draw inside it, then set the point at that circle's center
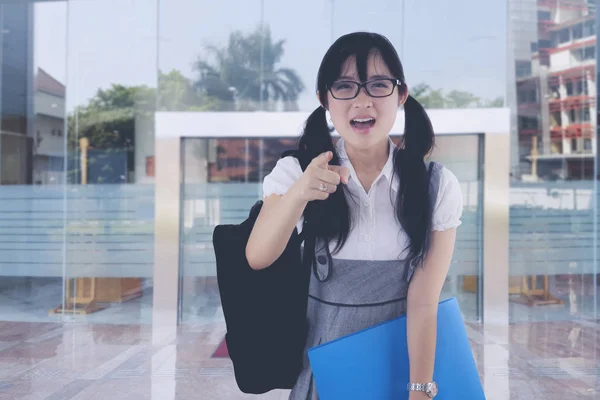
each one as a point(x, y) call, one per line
point(449, 203)
point(285, 173)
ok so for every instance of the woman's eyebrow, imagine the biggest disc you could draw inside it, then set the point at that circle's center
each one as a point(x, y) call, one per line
point(351, 78)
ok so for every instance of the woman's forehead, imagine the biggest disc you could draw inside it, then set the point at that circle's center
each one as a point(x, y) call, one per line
point(375, 67)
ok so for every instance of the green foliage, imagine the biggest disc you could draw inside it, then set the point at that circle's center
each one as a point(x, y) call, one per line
point(431, 98)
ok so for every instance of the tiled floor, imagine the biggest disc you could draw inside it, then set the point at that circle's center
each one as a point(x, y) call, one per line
point(51, 361)
point(551, 352)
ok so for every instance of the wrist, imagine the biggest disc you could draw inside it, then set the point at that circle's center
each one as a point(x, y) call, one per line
point(295, 195)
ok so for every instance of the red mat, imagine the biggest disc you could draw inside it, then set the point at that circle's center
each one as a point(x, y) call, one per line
point(221, 351)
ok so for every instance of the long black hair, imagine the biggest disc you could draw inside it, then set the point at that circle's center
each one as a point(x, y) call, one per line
point(331, 217)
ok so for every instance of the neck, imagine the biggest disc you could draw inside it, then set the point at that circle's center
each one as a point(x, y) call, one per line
point(368, 161)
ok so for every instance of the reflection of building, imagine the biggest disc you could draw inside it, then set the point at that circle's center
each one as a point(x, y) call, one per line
point(49, 139)
point(15, 108)
point(32, 107)
point(522, 32)
point(556, 93)
point(246, 160)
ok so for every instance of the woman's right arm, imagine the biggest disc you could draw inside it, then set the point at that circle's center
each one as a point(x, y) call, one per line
point(280, 213)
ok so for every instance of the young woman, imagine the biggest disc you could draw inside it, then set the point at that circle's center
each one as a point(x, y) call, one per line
point(385, 240)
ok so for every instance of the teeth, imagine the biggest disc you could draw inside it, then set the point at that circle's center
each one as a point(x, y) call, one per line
point(363, 120)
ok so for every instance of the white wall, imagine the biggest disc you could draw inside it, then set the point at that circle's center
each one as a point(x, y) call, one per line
point(562, 60)
point(49, 104)
point(535, 66)
point(48, 144)
point(563, 15)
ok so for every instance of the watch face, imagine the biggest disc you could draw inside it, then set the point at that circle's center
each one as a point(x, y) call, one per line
point(432, 389)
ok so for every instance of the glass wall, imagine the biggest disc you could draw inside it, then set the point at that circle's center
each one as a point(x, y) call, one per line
point(81, 81)
point(553, 215)
point(110, 195)
point(77, 202)
point(221, 62)
point(31, 150)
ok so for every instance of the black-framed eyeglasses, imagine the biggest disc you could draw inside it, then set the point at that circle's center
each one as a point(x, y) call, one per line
point(347, 90)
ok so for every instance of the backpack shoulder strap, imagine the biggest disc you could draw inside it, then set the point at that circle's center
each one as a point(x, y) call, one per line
point(434, 180)
point(430, 170)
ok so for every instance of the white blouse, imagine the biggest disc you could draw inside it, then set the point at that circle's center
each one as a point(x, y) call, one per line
point(375, 232)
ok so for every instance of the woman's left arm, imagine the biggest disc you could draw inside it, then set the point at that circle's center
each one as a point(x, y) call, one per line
point(422, 305)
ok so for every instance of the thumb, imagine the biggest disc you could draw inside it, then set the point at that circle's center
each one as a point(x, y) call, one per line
point(322, 159)
point(343, 172)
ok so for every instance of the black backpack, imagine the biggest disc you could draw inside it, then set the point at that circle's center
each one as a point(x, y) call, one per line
point(265, 310)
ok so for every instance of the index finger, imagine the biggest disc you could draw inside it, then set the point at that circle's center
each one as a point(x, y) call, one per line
point(322, 159)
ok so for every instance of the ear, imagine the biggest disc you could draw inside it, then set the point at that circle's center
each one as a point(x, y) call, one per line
point(319, 99)
point(403, 96)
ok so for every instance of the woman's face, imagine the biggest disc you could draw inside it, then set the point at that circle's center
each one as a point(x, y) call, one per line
point(365, 121)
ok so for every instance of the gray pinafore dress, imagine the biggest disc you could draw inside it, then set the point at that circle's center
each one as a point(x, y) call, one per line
point(346, 296)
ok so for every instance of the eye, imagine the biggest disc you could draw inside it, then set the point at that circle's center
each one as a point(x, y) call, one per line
point(342, 85)
point(381, 84)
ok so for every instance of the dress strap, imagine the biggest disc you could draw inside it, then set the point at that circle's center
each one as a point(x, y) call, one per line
point(322, 260)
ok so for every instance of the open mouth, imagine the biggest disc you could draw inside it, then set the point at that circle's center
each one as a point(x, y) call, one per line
point(362, 123)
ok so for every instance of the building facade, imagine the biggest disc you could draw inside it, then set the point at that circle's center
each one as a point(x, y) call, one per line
point(556, 94)
point(126, 121)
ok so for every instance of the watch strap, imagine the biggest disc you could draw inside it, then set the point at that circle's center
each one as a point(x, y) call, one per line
point(430, 388)
point(417, 387)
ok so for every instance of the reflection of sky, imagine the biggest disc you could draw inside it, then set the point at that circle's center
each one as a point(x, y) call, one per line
point(450, 44)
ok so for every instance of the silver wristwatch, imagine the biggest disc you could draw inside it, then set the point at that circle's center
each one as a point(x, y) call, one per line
point(429, 388)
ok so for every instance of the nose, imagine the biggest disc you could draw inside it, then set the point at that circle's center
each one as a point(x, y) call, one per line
point(363, 99)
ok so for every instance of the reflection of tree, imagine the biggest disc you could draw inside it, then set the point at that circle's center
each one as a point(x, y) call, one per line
point(497, 102)
point(109, 122)
point(177, 93)
point(237, 70)
point(428, 97)
point(431, 98)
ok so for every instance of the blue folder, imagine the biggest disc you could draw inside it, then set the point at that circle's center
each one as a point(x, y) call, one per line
point(373, 363)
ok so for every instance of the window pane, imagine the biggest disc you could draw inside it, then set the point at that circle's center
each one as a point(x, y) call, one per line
point(553, 262)
point(110, 191)
point(32, 176)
